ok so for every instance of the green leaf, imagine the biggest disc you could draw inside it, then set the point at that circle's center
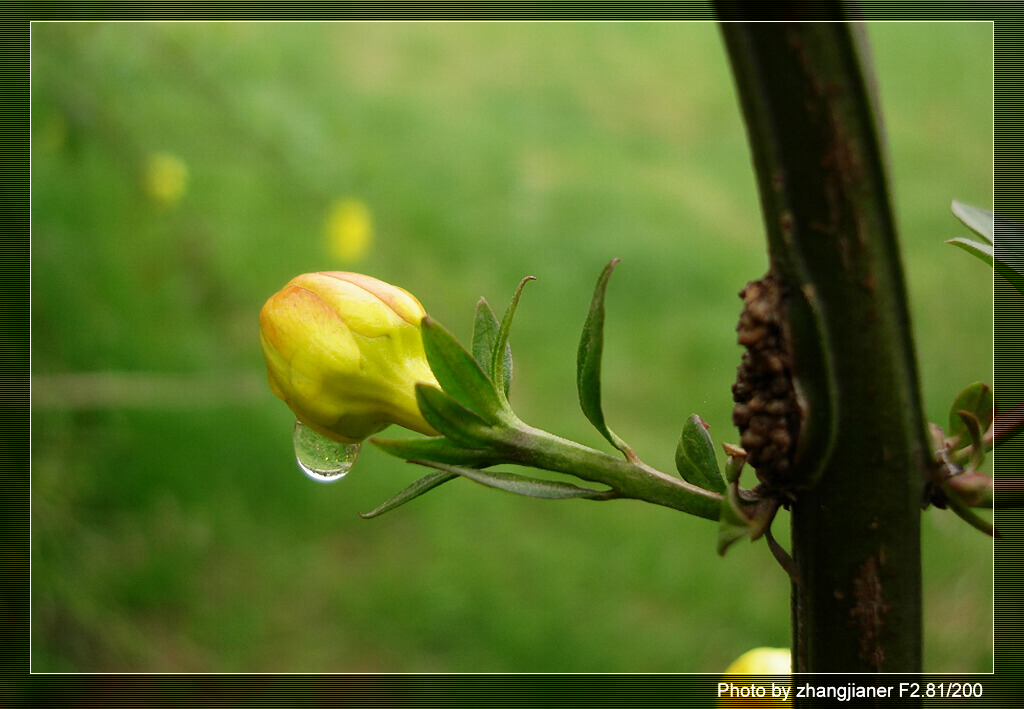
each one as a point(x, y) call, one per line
point(499, 375)
point(976, 399)
point(485, 335)
point(522, 485)
point(695, 457)
point(421, 486)
point(975, 248)
point(440, 450)
point(1008, 259)
point(458, 373)
point(738, 519)
point(588, 363)
point(980, 221)
point(452, 419)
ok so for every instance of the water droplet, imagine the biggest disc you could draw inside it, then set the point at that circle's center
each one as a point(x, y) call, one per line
point(321, 458)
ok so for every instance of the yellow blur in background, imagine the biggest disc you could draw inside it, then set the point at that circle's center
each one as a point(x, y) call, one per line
point(349, 230)
point(165, 179)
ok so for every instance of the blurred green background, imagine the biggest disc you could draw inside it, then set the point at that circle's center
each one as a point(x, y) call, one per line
point(182, 173)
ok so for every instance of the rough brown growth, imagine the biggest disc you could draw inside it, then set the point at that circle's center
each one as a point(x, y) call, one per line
point(766, 412)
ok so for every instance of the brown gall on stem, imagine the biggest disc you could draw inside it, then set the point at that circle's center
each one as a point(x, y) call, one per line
point(767, 413)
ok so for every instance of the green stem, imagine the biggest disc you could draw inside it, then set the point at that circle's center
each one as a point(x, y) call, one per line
point(815, 139)
point(964, 512)
point(533, 447)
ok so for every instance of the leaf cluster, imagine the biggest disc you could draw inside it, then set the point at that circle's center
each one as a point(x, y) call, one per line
point(479, 429)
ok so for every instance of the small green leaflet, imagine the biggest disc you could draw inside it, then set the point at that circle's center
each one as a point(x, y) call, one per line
point(695, 457)
point(458, 373)
point(485, 335)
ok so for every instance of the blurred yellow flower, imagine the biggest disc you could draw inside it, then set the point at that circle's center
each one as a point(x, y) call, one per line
point(745, 695)
point(345, 352)
point(165, 179)
point(349, 229)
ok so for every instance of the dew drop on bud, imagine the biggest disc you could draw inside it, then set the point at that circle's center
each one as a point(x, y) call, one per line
point(321, 458)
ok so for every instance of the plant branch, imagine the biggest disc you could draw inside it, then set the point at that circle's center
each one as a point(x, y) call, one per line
point(525, 445)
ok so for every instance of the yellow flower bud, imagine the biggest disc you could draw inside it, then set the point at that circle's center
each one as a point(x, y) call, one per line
point(345, 352)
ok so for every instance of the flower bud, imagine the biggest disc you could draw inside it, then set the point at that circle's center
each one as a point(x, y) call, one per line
point(345, 352)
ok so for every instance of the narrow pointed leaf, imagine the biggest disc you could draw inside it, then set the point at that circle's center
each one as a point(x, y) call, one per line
point(695, 457)
point(975, 248)
point(588, 363)
point(440, 450)
point(458, 373)
point(499, 375)
point(522, 485)
point(485, 335)
point(421, 486)
point(980, 221)
point(451, 418)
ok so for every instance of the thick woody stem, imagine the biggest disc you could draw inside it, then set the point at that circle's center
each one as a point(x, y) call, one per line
point(862, 457)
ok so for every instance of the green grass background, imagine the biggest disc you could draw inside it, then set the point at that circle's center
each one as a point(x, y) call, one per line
point(174, 532)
